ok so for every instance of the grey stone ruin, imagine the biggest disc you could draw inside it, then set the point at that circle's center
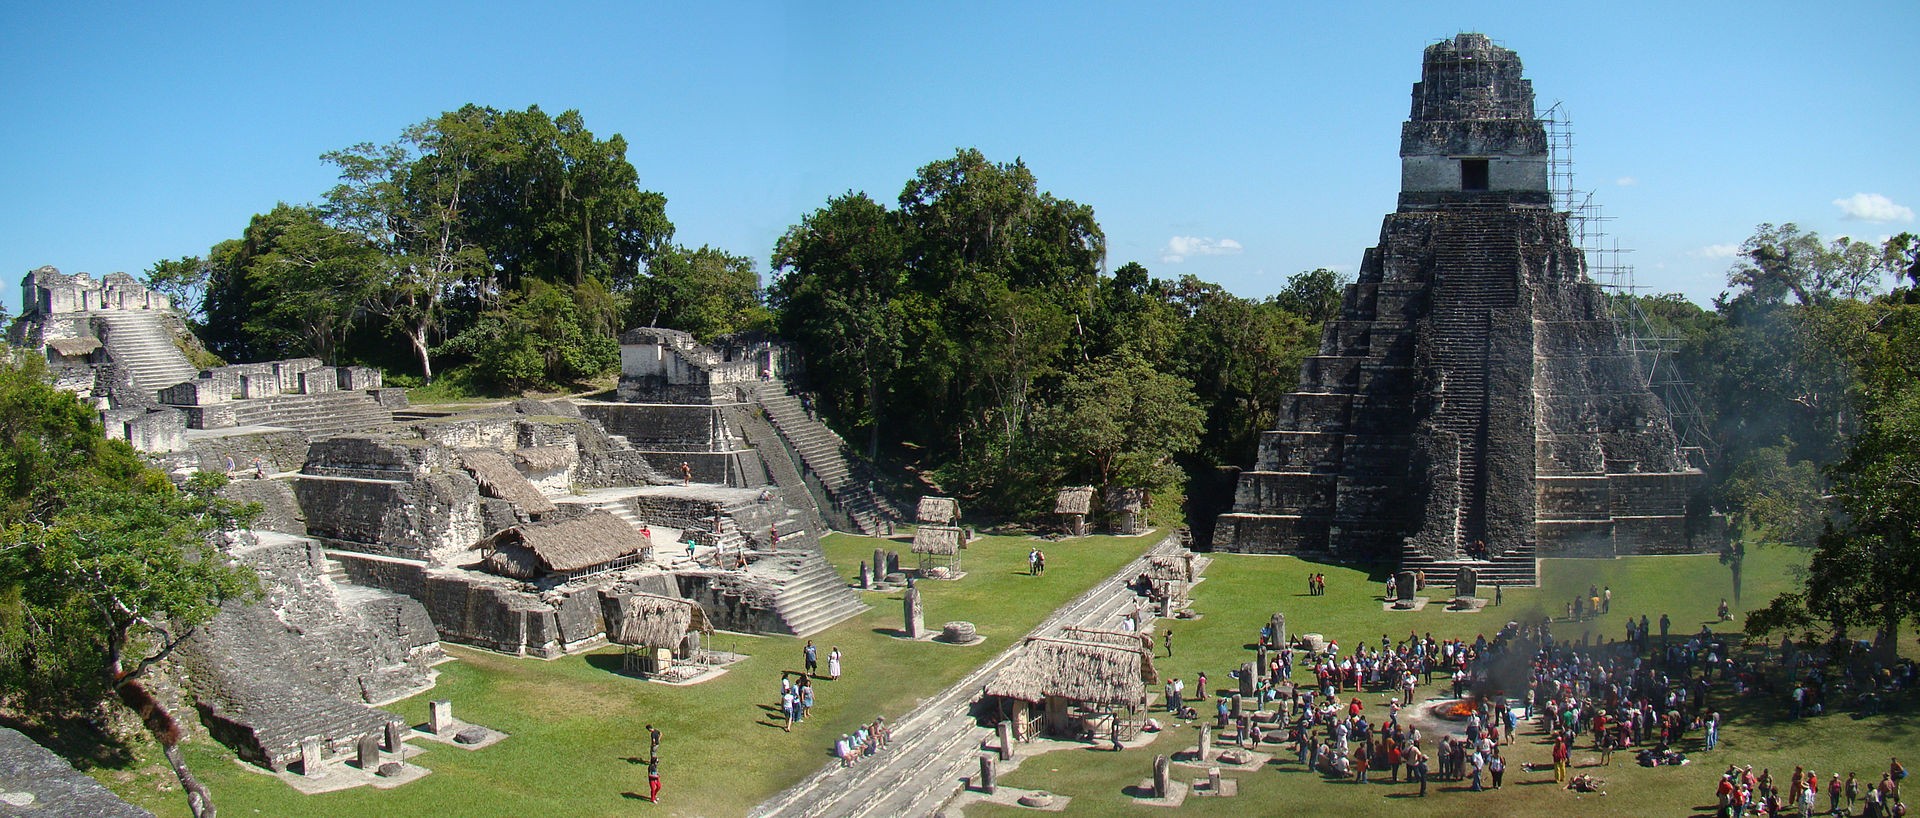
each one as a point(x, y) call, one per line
point(1206, 742)
point(916, 624)
point(1260, 663)
point(988, 780)
point(866, 576)
point(310, 764)
point(1213, 780)
point(1472, 388)
point(440, 716)
point(1279, 626)
point(879, 564)
point(1467, 582)
point(1162, 787)
point(1166, 607)
point(1236, 706)
point(1246, 682)
point(1005, 730)
point(396, 733)
point(893, 563)
point(369, 756)
point(1403, 588)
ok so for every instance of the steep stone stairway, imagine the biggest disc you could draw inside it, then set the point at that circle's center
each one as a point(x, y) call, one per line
point(1517, 566)
point(1475, 274)
point(140, 341)
point(752, 421)
point(824, 454)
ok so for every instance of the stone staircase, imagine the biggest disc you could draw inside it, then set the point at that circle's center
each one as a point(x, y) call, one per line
point(322, 415)
point(752, 422)
point(1515, 567)
point(824, 454)
point(1475, 274)
point(141, 342)
point(816, 597)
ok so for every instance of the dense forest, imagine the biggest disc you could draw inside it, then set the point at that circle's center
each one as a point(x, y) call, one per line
point(970, 331)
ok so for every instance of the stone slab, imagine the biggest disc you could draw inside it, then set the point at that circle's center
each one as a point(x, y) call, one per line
point(1141, 794)
point(1419, 602)
point(493, 736)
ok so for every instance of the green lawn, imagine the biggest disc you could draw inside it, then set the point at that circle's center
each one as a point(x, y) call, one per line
point(1242, 591)
point(576, 728)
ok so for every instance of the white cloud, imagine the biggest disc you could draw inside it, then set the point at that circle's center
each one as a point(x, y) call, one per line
point(1873, 207)
point(1717, 251)
point(1180, 247)
point(1626, 181)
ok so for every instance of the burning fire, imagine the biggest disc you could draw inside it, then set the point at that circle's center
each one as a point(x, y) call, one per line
point(1463, 708)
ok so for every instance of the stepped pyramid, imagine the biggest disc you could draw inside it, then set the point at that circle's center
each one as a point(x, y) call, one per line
point(1475, 389)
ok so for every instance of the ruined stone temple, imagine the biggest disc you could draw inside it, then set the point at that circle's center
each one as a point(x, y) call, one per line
point(1475, 388)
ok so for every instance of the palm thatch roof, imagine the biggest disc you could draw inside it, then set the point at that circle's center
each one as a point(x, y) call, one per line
point(938, 510)
point(1074, 500)
point(651, 621)
point(545, 458)
point(942, 540)
point(1142, 640)
point(74, 347)
point(1121, 499)
point(1161, 567)
point(498, 478)
point(575, 544)
point(1076, 670)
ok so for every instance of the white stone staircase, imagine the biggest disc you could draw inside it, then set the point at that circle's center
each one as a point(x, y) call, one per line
point(140, 341)
point(824, 454)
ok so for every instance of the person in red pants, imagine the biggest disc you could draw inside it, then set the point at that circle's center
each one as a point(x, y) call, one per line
point(653, 779)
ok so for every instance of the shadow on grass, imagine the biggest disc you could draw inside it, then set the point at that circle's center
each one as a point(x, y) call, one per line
point(78, 740)
point(893, 632)
point(635, 796)
point(610, 662)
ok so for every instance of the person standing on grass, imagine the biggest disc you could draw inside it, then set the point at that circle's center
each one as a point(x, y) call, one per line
point(653, 779)
point(1560, 760)
point(1167, 639)
point(653, 737)
point(833, 663)
point(789, 706)
point(1033, 563)
point(812, 656)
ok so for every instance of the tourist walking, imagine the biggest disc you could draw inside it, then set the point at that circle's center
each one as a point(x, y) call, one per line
point(1033, 563)
point(653, 740)
point(1167, 639)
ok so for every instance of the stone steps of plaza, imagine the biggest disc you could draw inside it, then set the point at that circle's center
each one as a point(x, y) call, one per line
point(824, 454)
point(778, 458)
point(816, 597)
point(1519, 566)
point(141, 342)
point(321, 415)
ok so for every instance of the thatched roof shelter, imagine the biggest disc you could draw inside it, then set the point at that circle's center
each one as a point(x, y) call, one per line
point(1121, 499)
point(1140, 640)
point(1164, 567)
point(1076, 670)
point(941, 540)
point(74, 347)
point(651, 621)
point(938, 510)
point(1074, 500)
point(498, 478)
point(577, 545)
point(545, 458)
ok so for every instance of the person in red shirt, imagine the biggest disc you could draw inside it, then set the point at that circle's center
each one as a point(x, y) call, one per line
point(1560, 760)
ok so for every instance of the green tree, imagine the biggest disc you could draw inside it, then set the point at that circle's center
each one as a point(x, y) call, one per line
point(838, 293)
point(184, 282)
point(1313, 295)
point(1118, 422)
point(535, 338)
point(291, 286)
point(105, 567)
point(707, 292)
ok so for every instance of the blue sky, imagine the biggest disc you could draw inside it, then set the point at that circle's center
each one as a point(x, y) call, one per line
point(1238, 143)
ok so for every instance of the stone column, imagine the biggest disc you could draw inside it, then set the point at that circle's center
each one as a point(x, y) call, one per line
point(1466, 582)
point(369, 752)
point(1006, 740)
point(879, 563)
point(1279, 625)
point(1236, 707)
point(440, 716)
point(396, 733)
point(1246, 682)
point(1260, 662)
point(1403, 589)
point(1213, 780)
point(1162, 787)
point(866, 576)
point(988, 780)
point(1206, 741)
point(310, 757)
point(915, 616)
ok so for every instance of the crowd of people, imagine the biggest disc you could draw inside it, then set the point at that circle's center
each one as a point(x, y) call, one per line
point(1741, 793)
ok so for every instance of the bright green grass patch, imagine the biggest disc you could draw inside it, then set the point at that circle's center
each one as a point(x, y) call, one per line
point(577, 729)
point(1240, 592)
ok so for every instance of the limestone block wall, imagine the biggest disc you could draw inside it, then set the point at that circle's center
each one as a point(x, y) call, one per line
point(436, 517)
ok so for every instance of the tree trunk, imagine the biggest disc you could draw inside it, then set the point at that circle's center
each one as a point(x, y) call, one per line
point(418, 336)
point(165, 730)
